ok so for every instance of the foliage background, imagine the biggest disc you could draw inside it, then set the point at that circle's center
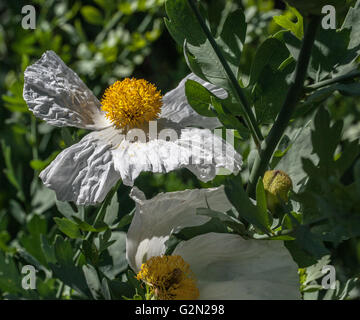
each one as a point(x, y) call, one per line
point(103, 40)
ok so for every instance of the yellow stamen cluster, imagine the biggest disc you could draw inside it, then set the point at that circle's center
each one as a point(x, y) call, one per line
point(131, 102)
point(170, 278)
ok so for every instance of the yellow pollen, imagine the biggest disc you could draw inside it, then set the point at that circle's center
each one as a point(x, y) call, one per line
point(170, 278)
point(131, 102)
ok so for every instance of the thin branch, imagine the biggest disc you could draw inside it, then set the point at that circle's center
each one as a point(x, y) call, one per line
point(292, 99)
point(321, 84)
point(248, 114)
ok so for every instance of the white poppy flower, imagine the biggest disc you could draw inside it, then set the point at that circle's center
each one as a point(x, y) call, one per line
point(86, 171)
point(208, 266)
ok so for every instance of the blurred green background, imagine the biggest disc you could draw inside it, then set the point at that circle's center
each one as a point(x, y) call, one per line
point(103, 41)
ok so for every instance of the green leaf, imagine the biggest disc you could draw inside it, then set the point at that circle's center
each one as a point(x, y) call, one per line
point(93, 281)
point(119, 289)
point(199, 98)
point(272, 53)
point(42, 199)
point(113, 256)
point(297, 28)
point(10, 280)
point(261, 200)
point(332, 134)
point(300, 256)
point(310, 242)
point(227, 119)
point(68, 227)
point(17, 211)
point(300, 146)
point(112, 211)
point(229, 221)
point(105, 289)
point(232, 36)
point(92, 15)
point(351, 23)
point(201, 57)
point(65, 268)
point(347, 157)
point(247, 210)
point(84, 226)
point(330, 49)
point(90, 252)
point(31, 241)
point(48, 251)
point(65, 209)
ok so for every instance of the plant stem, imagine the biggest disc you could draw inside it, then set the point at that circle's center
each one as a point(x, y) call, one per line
point(99, 216)
point(60, 290)
point(248, 114)
point(348, 76)
point(292, 98)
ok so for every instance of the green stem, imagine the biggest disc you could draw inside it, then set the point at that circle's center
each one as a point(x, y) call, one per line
point(60, 290)
point(35, 153)
point(248, 114)
point(99, 216)
point(349, 76)
point(292, 98)
point(278, 234)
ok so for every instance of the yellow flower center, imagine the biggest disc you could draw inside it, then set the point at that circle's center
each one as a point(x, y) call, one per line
point(170, 278)
point(131, 102)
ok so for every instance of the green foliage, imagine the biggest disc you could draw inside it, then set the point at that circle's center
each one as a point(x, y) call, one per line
point(200, 54)
point(80, 251)
point(285, 21)
point(254, 214)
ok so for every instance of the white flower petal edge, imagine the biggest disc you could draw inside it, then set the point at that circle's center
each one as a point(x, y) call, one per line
point(177, 109)
point(83, 173)
point(56, 94)
point(218, 153)
point(190, 150)
point(157, 218)
point(231, 268)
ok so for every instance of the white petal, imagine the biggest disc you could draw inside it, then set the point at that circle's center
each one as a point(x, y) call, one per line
point(232, 268)
point(83, 173)
point(209, 153)
point(198, 150)
point(55, 93)
point(156, 219)
point(132, 158)
point(177, 109)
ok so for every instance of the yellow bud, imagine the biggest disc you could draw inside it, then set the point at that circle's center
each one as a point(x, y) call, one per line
point(277, 185)
point(314, 6)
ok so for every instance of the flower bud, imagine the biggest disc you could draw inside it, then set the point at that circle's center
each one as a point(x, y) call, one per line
point(277, 185)
point(314, 7)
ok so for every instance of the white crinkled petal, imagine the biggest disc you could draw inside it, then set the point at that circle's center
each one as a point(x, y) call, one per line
point(83, 173)
point(198, 150)
point(157, 218)
point(232, 268)
point(209, 153)
point(177, 109)
point(56, 94)
point(158, 156)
